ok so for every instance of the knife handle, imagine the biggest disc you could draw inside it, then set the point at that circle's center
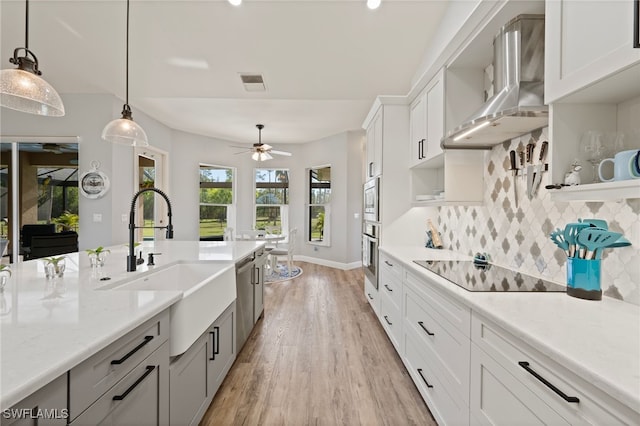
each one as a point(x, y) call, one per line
point(512, 160)
point(521, 157)
point(530, 148)
point(543, 151)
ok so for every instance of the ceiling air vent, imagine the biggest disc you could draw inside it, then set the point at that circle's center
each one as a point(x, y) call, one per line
point(253, 82)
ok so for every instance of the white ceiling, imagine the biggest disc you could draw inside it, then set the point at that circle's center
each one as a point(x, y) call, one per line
point(323, 62)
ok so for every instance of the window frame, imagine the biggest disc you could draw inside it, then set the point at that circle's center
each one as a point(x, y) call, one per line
point(326, 229)
point(284, 208)
point(231, 208)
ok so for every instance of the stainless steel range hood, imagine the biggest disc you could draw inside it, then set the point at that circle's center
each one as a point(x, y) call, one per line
point(518, 106)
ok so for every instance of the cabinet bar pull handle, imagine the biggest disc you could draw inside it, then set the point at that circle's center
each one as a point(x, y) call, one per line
point(371, 169)
point(149, 368)
point(217, 347)
point(387, 262)
point(388, 288)
point(636, 25)
point(420, 145)
point(370, 296)
point(421, 324)
point(425, 380)
point(214, 352)
point(422, 148)
point(147, 339)
point(387, 320)
point(525, 365)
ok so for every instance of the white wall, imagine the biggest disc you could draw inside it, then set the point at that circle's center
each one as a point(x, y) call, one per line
point(343, 152)
point(86, 116)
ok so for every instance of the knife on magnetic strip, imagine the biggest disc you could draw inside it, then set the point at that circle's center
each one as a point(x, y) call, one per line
point(540, 169)
point(514, 170)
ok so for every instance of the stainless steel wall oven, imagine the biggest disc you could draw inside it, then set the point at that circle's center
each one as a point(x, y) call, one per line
point(371, 200)
point(370, 235)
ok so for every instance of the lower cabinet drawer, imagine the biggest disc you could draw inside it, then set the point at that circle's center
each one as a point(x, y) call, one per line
point(391, 286)
point(497, 398)
point(372, 295)
point(447, 408)
point(93, 377)
point(140, 398)
point(391, 320)
point(447, 343)
point(570, 397)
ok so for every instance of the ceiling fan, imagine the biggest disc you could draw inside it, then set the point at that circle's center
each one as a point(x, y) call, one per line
point(261, 151)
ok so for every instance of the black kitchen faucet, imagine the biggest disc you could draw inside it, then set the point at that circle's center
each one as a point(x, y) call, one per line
point(131, 258)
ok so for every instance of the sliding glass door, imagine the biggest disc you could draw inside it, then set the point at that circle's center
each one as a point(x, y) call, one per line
point(38, 186)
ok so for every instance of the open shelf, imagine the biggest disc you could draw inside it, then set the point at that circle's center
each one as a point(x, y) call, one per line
point(604, 191)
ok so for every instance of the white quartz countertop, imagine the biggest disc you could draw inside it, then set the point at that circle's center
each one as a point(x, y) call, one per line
point(48, 327)
point(597, 340)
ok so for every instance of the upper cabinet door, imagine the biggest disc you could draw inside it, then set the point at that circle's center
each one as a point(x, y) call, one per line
point(427, 122)
point(374, 146)
point(418, 129)
point(586, 41)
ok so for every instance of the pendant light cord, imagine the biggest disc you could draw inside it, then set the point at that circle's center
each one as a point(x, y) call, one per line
point(26, 27)
point(127, 61)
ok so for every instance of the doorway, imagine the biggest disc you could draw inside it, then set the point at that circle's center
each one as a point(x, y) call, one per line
point(150, 172)
point(38, 189)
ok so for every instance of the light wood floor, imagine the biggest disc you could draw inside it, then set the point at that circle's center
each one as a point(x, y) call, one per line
point(318, 356)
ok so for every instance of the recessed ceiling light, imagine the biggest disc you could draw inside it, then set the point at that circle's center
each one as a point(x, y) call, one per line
point(373, 4)
point(235, 2)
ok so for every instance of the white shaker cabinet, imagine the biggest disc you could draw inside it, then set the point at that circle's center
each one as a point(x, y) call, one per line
point(512, 383)
point(436, 344)
point(48, 404)
point(390, 293)
point(116, 367)
point(140, 398)
point(586, 42)
point(196, 375)
point(427, 122)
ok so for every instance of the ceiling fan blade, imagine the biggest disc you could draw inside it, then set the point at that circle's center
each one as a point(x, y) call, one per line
point(246, 151)
point(285, 153)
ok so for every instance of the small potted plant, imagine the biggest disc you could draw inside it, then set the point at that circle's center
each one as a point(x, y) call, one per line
point(97, 256)
point(54, 266)
point(5, 273)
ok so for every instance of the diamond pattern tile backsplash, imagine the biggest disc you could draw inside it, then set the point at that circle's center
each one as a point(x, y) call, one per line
point(519, 237)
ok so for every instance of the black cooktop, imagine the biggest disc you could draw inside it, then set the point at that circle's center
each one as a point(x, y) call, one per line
point(487, 277)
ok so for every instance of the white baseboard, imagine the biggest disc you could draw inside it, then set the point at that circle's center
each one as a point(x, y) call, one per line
point(329, 263)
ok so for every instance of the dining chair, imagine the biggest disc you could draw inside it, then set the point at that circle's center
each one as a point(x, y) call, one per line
point(286, 249)
point(247, 235)
point(228, 234)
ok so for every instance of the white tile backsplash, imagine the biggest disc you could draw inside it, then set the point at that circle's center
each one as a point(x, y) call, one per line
point(519, 238)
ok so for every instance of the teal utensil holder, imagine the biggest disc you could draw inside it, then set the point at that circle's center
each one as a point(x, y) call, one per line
point(583, 278)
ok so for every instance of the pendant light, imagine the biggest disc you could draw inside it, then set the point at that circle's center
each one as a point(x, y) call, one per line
point(124, 130)
point(22, 88)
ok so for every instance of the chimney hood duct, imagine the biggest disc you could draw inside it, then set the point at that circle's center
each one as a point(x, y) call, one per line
point(518, 105)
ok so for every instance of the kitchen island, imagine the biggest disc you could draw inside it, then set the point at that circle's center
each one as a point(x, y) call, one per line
point(50, 326)
point(588, 350)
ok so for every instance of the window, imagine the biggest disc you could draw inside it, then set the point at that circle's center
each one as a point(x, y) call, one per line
point(272, 199)
point(216, 201)
point(319, 207)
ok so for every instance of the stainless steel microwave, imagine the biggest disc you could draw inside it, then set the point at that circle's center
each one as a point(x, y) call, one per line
point(371, 200)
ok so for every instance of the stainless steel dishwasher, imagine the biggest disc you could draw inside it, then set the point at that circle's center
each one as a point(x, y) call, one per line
point(250, 294)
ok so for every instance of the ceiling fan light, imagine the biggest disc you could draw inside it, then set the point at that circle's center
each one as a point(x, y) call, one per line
point(266, 156)
point(125, 131)
point(25, 91)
